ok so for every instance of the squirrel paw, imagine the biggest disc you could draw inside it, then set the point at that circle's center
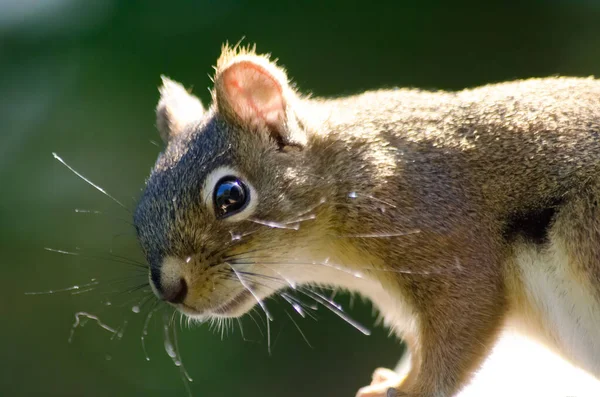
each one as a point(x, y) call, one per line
point(384, 384)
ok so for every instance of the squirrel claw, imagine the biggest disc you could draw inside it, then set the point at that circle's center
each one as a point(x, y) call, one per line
point(383, 384)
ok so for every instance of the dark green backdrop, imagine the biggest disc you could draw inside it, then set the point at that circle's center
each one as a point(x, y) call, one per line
point(79, 78)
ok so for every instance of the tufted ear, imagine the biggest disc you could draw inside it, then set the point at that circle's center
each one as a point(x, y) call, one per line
point(254, 93)
point(176, 109)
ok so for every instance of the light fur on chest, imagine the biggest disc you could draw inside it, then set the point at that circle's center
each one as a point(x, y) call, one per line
point(556, 305)
point(550, 302)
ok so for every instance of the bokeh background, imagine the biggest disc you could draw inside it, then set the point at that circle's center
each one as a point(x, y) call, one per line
point(80, 77)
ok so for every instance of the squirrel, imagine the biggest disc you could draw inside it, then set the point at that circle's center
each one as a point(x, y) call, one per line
point(455, 213)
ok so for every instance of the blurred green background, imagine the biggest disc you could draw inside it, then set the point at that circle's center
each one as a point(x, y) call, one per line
point(80, 77)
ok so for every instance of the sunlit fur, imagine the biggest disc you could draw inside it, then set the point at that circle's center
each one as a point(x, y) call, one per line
point(404, 196)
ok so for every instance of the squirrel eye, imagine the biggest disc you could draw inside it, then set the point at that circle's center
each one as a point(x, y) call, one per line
point(230, 196)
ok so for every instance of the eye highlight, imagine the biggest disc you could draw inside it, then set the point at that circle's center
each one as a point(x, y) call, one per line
point(230, 196)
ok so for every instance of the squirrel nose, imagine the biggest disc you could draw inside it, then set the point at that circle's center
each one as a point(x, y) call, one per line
point(168, 281)
point(173, 291)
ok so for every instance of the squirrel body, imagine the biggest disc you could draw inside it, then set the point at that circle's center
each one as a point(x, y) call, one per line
point(456, 213)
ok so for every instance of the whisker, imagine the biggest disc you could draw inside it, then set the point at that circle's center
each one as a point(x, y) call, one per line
point(336, 309)
point(258, 300)
point(257, 284)
point(173, 313)
point(258, 275)
point(324, 263)
point(294, 305)
point(241, 329)
point(274, 225)
point(303, 304)
point(149, 298)
point(329, 300)
point(90, 182)
point(290, 283)
point(238, 237)
point(135, 308)
point(331, 265)
point(251, 315)
point(67, 289)
point(61, 251)
point(293, 224)
point(380, 235)
point(83, 291)
point(314, 207)
point(222, 329)
point(300, 220)
point(116, 260)
point(251, 277)
point(299, 330)
point(93, 285)
point(354, 195)
point(268, 320)
point(133, 289)
point(85, 211)
point(129, 260)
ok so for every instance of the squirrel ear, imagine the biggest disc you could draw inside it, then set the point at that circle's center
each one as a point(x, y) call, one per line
point(253, 92)
point(176, 109)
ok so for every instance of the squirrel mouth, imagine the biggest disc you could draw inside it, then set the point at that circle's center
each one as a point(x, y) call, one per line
point(230, 308)
point(233, 303)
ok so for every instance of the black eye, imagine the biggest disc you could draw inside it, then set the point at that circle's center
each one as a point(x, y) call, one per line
point(230, 196)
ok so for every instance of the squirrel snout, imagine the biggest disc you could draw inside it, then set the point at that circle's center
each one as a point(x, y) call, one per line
point(173, 293)
point(168, 285)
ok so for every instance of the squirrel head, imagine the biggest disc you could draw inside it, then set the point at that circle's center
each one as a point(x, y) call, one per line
point(231, 191)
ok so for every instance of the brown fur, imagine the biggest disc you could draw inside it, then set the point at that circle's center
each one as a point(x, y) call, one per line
point(456, 167)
